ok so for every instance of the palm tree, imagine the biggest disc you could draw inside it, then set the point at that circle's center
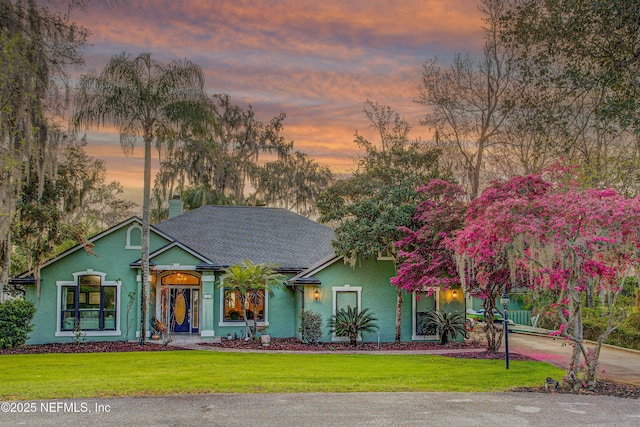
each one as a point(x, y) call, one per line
point(250, 282)
point(446, 325)
point(143, 98)
point(351, 323)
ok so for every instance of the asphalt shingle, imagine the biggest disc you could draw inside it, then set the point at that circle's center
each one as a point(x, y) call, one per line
point(229, 234)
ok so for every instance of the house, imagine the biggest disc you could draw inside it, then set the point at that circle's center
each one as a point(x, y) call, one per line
point(96, 295)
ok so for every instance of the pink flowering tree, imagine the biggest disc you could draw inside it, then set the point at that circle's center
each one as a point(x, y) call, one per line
point(559, 237)
point(481, 250)
point(424, 261)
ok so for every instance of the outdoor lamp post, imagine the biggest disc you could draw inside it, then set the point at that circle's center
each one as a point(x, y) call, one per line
point(505, 300)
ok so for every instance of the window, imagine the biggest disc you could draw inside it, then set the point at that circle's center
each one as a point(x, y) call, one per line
point(343, 297)
point(89, 303)
point(422, 304)
point(134, 237)
point(231, 307)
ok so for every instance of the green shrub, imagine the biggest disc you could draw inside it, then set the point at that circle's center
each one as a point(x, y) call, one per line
point(311, 327)
point(627, 335)
point(15, 322)
point(351, 323)
point(446, 325)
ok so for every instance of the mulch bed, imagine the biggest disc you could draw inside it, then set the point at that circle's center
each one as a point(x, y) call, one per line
point(293, 344)
point(88, 347)
point(603, 387)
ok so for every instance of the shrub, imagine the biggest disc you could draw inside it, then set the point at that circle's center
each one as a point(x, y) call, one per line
point(15, 322)
point(311, 328)
point(446, 325)
point(627, 335)
point(351, 323)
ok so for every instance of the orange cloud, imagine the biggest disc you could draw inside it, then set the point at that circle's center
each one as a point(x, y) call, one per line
point(318, 61)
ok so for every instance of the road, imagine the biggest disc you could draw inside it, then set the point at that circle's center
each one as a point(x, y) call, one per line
point(342, 409)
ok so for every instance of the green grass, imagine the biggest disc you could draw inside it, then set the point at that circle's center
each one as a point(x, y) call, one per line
point(46, 376)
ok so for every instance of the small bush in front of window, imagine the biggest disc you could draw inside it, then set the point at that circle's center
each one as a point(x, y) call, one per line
point(351, 323)
point(15, 322)
point(79, 336)
point(311, 327)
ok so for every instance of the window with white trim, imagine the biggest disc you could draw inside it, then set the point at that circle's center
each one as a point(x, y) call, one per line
point(89, 303)
point(231, 310)
point(423, 302)
point(134, 237)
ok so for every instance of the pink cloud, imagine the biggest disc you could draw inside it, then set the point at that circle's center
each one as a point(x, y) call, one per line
point(316, 61)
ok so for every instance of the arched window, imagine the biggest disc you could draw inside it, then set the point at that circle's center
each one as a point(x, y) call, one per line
point(134, 237)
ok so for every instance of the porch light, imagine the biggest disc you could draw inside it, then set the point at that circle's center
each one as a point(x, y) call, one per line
point(316, 295)
point(454, 295)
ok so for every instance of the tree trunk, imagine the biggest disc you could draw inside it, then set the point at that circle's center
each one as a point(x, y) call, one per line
point(146, 226)
point(494, 337)
point(399, 316)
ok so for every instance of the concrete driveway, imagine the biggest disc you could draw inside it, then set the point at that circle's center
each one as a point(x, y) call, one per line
point(616, 364)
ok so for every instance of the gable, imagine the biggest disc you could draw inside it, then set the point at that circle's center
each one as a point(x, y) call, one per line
point(110, 247)
point(175, 254)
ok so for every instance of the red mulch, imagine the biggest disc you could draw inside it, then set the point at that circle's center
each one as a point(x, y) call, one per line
point(603, 387)
point(293, 344)
point(87, 347)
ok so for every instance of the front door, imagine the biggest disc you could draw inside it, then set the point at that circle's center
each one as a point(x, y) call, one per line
point(184, 310)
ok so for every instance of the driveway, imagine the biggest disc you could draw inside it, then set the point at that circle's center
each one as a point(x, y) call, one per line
point(616, 364)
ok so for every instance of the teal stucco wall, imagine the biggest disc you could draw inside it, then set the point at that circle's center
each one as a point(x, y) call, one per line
point(111, 257)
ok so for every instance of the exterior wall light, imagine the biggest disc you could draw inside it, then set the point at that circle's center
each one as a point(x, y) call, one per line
point(454, 295)
point(316, 295)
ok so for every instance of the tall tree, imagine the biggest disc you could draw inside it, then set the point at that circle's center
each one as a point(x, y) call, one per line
point(75, 203)
point(215, 165)
point(293, 182)
point(469, 103)
point(36, 44)
point(559, 237)
point(143, 98)
point(368, 208)
point(581, 64)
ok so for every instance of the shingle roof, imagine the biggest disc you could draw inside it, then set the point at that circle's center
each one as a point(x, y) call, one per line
point(229, 234)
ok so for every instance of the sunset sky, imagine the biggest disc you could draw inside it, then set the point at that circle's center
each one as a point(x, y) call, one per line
point(317, 61)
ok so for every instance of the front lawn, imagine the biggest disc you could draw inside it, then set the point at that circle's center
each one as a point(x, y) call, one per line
point(48, 376)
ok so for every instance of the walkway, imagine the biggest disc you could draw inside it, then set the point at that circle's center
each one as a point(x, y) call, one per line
point(616, 364)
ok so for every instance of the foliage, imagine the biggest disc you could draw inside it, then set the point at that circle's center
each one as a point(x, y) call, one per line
point(15, 322)
point(37, 43)
point(142, 98)
point(294, 182)
point(469, 104)
point(79, 334)
point(448, 326)
point(352, 323)
point(213, 164)
point(250, 282)
point(38, 223)
point(627, 335)
point(311, 327)
point(368, 208)
point(425, 261)
point(74, 202)
point(579, 63)
point(559, 237)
